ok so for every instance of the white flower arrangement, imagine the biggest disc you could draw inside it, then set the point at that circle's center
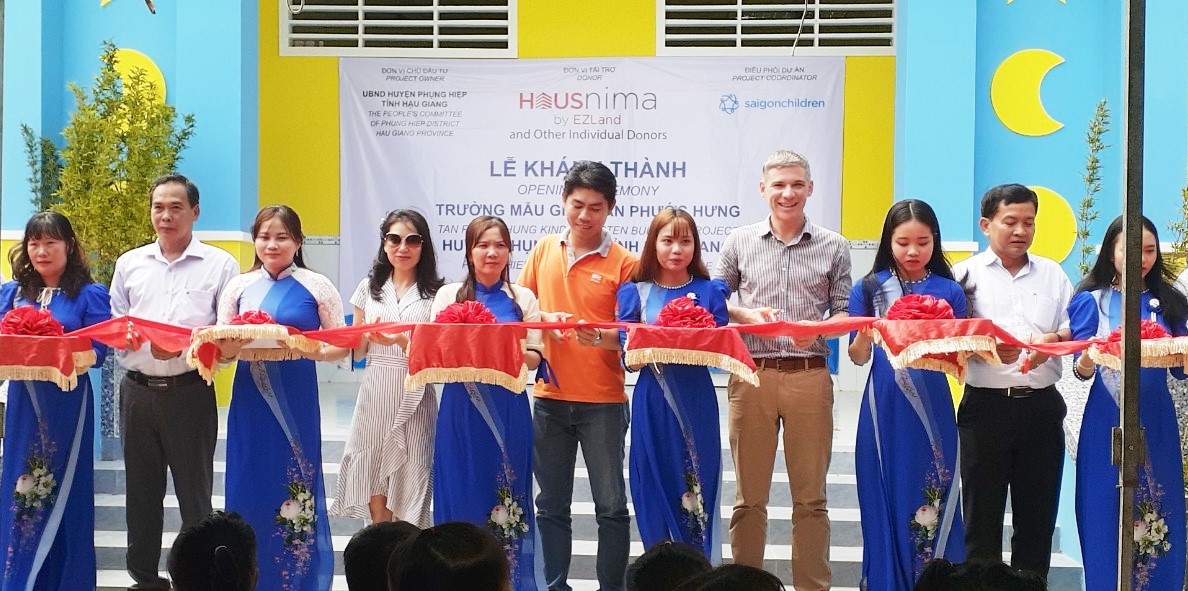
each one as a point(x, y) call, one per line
point(507, 517)
point(298, 513)
point(35, 489)
point(693, 503)
point(926, 519)
point(1153, 309)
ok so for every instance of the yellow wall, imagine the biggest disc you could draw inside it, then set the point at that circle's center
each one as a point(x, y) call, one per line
point(5, 272)
point(561, 28)
point(867, 139)
point(298, 130)
point(243, 252)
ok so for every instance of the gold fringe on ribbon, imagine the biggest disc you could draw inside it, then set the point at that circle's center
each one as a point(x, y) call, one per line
point(209, 334)
point(83, 360)
point(915, 355)
point(721, 361)
point(1156, 353)
point(446, 375)
point(18, 373)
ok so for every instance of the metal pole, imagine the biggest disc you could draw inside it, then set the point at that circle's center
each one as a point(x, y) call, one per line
point(1128, 441)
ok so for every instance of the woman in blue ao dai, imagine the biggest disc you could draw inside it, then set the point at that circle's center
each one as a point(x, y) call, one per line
point(906, 448)
point(1095, 311)
point(675, 463)
point(274, 434)
point(482, 461)
point(47, 522)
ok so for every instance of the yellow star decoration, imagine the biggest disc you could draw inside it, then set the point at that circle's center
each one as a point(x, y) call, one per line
point(103, 3)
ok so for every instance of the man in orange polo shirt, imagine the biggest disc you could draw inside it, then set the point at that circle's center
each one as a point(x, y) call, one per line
point(579, 272)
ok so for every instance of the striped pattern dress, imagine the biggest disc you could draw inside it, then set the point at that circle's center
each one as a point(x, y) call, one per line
point(389, 450)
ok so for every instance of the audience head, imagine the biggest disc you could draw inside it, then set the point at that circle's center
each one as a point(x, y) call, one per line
point(278, 237)
point(49, 253)
point(665, 566)
point(414, 253)
point(216, 554)
point(672, 240)
point(453, 556)
point(733, 577)
point(365, 558)
point(942, 575)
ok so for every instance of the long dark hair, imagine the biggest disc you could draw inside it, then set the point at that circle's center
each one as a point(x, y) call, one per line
point(683, 223)
point(900, 213)
point(428, 281)
point(49, 224)
point(453, 556)
point(292, 223)
point(1160, 281)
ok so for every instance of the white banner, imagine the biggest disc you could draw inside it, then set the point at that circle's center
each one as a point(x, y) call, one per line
point(459, 138)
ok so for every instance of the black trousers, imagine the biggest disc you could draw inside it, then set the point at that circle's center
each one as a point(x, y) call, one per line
point(161, 428)
point(1015, 444)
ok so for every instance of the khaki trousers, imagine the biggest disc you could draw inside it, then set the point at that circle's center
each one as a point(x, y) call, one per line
point(802, 403)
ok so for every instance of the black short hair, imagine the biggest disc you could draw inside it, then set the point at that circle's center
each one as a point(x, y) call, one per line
point(1008, 194)
point(218, 552)
point(455, 556)
point(365, 558)
point(587, 174)
point(665, 566)
point(191, 188)
point(730, 577)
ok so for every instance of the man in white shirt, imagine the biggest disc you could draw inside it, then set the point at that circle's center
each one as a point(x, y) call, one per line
point(1010, 422)
point(167, 412)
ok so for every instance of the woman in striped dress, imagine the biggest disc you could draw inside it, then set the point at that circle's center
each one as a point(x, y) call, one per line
point(386, 471)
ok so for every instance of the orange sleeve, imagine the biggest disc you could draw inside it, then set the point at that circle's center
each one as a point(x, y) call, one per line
point(527, 276)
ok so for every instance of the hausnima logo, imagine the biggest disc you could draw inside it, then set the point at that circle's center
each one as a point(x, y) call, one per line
point(589, 101)
point(728, 103)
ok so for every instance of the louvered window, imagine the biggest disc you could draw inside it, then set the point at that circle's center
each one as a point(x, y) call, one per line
point(768, 27)
point(407, 28)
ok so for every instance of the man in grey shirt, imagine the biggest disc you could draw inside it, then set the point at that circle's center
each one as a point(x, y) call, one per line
point(785, 268)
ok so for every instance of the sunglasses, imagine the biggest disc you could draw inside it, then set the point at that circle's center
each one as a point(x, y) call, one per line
point(394, 239)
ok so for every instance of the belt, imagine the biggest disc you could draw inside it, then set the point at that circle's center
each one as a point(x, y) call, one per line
point(164, 382)
point(791, 363)
point(1013, 391)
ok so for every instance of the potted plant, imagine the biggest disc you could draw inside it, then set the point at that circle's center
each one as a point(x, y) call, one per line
point(120, 137)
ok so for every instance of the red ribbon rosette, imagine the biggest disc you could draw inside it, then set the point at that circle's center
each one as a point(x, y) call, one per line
point(468, 312)
point(920, 332)
point(253, 317)
point(465, 344)
point(687, 334)
point(32, 347)
point(685, 313)
point(264, 337)
point(920, 307)
point(1157, 348)
point(31, 322)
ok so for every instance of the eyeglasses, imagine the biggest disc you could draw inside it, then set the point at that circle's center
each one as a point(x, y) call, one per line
point(412, 240)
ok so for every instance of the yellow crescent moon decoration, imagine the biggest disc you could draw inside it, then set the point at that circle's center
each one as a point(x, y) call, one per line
point(1055, 225)
point(1015, 92)
point(130, 59)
